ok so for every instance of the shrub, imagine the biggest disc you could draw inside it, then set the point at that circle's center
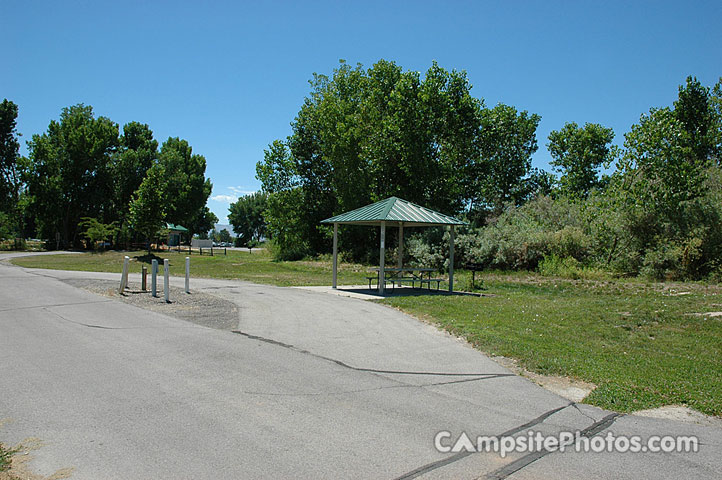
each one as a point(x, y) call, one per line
point(290, 251)
point(661, 262)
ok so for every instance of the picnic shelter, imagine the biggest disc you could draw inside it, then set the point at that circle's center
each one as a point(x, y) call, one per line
point(394, 212)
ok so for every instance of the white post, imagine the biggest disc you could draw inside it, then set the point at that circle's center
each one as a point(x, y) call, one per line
point(188, 274)
point(335, 254)
point(451, 259)
point(166, 281)
point(382, 258)
point(124, 275)
point(154, 278)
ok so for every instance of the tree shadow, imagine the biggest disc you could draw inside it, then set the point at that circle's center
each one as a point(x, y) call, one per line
point(148, 258)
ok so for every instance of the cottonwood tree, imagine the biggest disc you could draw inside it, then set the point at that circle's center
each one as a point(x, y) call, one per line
point(224, 236)
point(147, 214)
point(669, 150)
point(665, 191)
point(10, 170)
point(185, 186)
point(246, 216)
point(137, 153)
point(70, 174)
point(508, 140)
point(364, 135)
point(578, 153)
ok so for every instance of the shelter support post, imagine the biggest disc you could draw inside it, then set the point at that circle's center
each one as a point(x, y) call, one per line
point(382, 258)
point(401, 245)
point(451, 259)
point(335, 254)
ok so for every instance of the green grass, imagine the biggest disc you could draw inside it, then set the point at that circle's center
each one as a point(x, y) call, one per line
point(238, 264)
point(641, 343)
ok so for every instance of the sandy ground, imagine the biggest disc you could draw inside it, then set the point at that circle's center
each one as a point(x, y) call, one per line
point(571, 389)
point(19, 466)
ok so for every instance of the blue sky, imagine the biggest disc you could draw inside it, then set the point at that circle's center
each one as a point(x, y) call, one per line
point(229, 77)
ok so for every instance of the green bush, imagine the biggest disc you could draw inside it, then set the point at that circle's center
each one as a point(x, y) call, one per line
point(290, 251)
point(522, 236)
point(569, 267)
point(661, 263)
point(555, 266)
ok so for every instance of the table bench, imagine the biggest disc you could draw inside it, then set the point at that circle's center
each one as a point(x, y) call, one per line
point(386, 282)
point(396, 276)
point(429, 280)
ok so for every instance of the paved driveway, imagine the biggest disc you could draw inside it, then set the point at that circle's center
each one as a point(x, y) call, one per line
point(308, 385)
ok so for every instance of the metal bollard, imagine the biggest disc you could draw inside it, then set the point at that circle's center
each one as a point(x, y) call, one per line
point(144, 278)
point(166, 280)
point(154, 278)
point(188, 274)
point(124, 275)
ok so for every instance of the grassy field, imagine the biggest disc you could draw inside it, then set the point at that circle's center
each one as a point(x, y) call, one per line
point(643, 344)
point(238, 264)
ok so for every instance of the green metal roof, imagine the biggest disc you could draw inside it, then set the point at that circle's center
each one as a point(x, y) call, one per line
point(175, 228)
point(394, 210)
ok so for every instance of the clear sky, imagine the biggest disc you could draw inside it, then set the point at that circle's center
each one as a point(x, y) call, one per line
point(229, 77)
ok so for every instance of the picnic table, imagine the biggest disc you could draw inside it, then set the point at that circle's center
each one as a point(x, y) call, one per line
point(406, 274)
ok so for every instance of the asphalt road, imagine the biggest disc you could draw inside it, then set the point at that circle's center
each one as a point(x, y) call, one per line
point(308, 385)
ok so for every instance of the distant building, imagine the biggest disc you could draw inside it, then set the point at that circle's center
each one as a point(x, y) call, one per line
point(174, 234)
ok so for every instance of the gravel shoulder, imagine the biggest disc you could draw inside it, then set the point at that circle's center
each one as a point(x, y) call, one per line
point(196, 307)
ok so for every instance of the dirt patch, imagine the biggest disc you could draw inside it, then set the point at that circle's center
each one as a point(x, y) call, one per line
point(20, 468)
point(706, 314)
point(571, 389)
point(197, 307)
point(681, 413)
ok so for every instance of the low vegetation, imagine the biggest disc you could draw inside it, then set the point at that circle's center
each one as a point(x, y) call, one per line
point(17, 244)
point(6, 456)
point(644, 344)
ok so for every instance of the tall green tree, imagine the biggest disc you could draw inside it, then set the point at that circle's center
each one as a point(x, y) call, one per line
point(185, 186)
point(224, 236)
point(147, 214)
point(364, 135)
point(137, 153)
point(10, 170)
point(70, 174)
point(246, 216)
point(695, 111)
point(668, 152)
point(578, 153)
point(202, 222)
point(508, 140)
point(281, 181)
point(715, 103)
point(664, 191)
